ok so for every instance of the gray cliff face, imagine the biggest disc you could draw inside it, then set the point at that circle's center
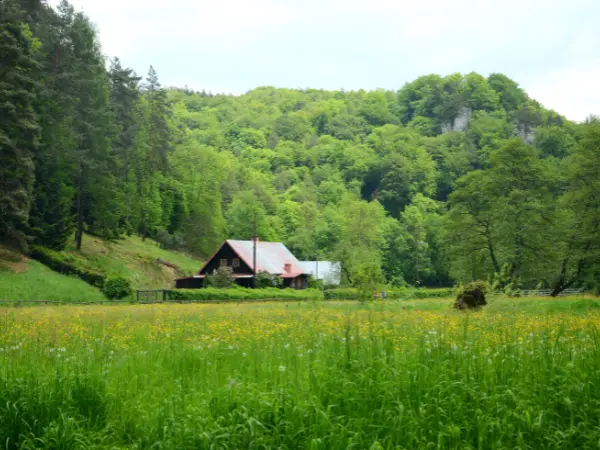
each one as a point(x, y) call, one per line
point(460, 122)
point(524, 132)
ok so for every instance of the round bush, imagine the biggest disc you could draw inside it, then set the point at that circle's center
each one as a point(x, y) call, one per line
point(116, 287)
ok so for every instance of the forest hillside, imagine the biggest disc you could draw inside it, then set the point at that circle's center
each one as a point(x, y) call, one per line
point(448, 178)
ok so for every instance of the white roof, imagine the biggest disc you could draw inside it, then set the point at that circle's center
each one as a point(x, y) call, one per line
point(328, 271)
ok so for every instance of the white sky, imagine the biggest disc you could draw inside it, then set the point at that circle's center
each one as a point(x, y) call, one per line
point(550, 47)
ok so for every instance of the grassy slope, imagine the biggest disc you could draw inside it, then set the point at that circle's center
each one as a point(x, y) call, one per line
point(135, 259)
point(23, 279)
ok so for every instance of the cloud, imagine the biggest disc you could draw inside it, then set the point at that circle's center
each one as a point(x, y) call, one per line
point(236, 45)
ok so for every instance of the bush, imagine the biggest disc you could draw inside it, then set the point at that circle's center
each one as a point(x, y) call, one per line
point(395, 294)
point(315, 284)
point(239, 293)
point(117, 287)
point(483, 286)
point(265, 279)
point(471, 296)
point(66, 265)
point(221, 278)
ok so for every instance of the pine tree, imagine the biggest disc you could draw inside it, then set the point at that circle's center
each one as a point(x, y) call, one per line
point(18, 123)
point(96, 198)
point(159, 137)
point(124, 95)
point(153, 146)
point(51, 218)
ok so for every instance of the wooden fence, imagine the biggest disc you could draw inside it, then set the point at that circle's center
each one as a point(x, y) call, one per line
point(162, 296)
point(141, 297)
point(548, 292)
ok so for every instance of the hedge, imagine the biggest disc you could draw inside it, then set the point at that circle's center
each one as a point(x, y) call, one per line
point(397, 294)
point(66, 265)
point(239, 293)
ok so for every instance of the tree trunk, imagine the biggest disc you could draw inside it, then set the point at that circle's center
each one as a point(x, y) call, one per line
point(493, 256)
point(562, 284)
point(79, 229)
point(559, 285)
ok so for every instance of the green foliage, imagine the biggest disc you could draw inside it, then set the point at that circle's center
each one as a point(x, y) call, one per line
point(116, 287)
point(67, 265)
point(479, 285)
point(18, 124)
point(222, 278)
point(447, 179)
point(237, 293)
point(266, 280)
point(392, 294)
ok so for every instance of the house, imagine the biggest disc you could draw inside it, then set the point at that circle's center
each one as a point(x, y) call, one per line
point(271, 257)
point(328, 271)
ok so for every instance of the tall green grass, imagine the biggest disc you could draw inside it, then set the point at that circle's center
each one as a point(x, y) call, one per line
point(302, 376)
point(38, 282)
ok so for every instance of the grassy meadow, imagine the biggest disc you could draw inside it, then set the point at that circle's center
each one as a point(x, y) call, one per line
point(323, 375)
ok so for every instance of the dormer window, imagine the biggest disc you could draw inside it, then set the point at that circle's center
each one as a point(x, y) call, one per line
point(287, 267)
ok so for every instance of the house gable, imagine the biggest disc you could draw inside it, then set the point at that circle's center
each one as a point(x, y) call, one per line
point(229, 256)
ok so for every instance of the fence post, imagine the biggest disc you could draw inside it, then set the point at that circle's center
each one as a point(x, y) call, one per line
point(164, 295)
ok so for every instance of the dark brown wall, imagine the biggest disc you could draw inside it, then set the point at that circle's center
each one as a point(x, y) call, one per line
point(189, 283)
point(225, 252)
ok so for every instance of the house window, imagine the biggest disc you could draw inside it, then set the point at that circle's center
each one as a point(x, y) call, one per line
point(236, 263)
point(223, 263)
point(287, 268)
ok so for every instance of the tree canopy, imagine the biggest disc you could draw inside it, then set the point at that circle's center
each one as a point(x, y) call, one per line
point(449, 178)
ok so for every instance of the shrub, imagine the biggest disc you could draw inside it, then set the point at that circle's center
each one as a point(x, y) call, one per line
point(221, 278)
point(471, 296)
point(66, 265)
point(483, 286)
point(239, 294)
point(265, 279)
point(315, 284)
point(394, 294)
point(117, 287)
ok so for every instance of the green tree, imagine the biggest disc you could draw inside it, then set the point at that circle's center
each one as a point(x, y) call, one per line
point(359, 249)
point(18, 123)
point(578, 228)
point(502, 215)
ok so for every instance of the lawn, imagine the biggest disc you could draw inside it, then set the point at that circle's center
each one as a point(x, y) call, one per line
point(324, 375)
